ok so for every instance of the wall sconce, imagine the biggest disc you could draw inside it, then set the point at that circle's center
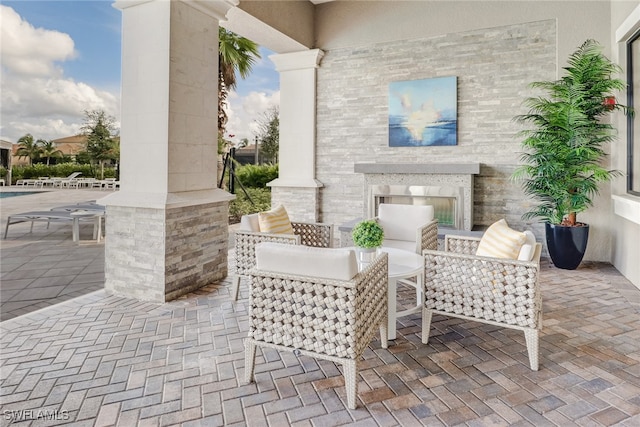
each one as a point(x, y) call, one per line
point(609, 102)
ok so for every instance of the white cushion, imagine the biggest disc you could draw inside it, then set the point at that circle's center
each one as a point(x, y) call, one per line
point(401, 222)
point(500, 241)
point(250, 223)
point(528, 249)
point(327, 263)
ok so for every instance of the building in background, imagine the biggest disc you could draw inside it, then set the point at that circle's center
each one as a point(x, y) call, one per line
point(70, 146)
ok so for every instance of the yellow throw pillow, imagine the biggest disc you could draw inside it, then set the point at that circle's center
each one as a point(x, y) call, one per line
point(275, 221)
point(500, 241)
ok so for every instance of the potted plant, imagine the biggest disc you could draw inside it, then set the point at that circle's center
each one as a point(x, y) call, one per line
point(563, 166)
point(367, 237)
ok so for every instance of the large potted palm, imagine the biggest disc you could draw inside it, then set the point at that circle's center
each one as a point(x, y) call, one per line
point(564, 149)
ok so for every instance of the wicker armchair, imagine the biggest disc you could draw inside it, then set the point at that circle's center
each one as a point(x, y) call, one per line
point(409, 227)
point(308, 234)
point(326, 318)
point(496, 291)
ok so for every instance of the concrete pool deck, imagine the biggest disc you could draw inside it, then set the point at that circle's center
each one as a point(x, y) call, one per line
point(45, 267)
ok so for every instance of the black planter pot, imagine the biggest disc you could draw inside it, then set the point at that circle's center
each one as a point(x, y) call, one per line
point(566, 244)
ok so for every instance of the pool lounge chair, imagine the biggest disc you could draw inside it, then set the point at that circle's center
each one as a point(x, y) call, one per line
point(80, 207)
point(73, 218)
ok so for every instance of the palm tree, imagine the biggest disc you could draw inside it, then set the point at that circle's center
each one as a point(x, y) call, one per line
point(49, 150)
point(563, 164)
point(235, 54)
point(29, 148)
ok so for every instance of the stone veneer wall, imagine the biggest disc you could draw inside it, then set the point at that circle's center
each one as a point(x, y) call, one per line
point(158, 255)
point(494, 67)
point(302, 204)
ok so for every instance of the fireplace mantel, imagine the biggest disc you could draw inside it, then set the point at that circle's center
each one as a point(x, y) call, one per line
point(419, 168)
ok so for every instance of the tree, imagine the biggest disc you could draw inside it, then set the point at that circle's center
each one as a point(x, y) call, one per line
point(101, 144)
point(269, 135)
point(29, 148)
point(235, 54)
point(563, 162)
point(49, 150)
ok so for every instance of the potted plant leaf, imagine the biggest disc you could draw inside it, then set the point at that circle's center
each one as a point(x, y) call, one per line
point(564, 148)
point(367, 237)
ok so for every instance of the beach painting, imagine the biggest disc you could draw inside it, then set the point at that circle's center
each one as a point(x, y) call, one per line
point(423, 113)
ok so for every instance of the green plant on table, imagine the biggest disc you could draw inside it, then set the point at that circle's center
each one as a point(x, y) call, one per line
point(368, 234)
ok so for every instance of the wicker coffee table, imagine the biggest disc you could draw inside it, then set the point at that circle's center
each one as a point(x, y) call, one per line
point(403, 265)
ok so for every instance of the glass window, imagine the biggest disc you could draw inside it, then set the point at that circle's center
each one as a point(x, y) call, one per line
point(633, 120)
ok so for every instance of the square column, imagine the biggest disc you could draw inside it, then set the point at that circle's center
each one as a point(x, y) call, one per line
point(296, 186)
point(167, 228)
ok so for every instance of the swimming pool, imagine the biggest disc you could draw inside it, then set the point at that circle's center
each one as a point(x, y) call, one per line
point(6, 194)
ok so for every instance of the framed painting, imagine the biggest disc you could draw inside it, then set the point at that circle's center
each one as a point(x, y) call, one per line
point(423, 112)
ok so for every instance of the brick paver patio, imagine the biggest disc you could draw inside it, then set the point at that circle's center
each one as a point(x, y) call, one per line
point(104, 360)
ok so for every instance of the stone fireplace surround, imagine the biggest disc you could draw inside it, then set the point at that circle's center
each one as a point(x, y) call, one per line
point(454, 175)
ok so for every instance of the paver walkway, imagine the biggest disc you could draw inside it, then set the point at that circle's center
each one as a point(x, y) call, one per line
point(104, 360)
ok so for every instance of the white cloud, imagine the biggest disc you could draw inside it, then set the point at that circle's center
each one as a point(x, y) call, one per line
point(245, 112)
point(36, 96)
point(32, 51)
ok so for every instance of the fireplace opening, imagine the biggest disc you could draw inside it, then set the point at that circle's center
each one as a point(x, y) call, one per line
point(447, 201)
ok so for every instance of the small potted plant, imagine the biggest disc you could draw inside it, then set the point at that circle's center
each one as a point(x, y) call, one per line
point(367, 237)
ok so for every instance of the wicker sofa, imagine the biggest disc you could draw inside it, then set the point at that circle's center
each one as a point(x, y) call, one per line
point(496, 291)
point(324, 314)
point(249, 235)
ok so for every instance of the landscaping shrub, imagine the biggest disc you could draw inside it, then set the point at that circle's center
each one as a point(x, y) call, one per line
point(242, 206)
point(256, 176)
point(60, 170)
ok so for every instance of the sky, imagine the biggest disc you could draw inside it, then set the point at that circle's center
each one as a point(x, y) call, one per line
point(60, 58)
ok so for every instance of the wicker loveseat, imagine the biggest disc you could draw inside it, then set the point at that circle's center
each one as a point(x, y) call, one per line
point(249, 235)
point(324, 314)
point(496, 291)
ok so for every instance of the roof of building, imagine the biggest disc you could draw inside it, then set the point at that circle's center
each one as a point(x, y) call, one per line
point(75, 139)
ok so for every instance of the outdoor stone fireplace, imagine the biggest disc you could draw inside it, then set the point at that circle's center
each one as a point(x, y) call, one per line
point(448, 187)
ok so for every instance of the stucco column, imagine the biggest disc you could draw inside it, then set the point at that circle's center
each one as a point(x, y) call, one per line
point(296, 187)
point(167, 227)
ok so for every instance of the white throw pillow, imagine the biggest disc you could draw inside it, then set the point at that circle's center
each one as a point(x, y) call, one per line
point(501, 241)
point(528, 249)
point(250, 223)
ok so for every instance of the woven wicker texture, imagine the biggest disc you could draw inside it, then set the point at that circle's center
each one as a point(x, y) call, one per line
point(308, 234)
point(323, 316)
point(246, 247)
point(490, 290)
point(429, 236)
point(461, 245)
point(327, 319)
point(316, 235)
